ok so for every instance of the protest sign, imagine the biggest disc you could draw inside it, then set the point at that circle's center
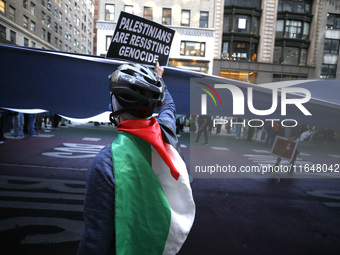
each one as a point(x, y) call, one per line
point(284, 147)
point(140, 40)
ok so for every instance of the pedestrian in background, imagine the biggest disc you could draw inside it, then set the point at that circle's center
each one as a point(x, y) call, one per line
point(18, 125)
point(203, 124)
point(31, 124)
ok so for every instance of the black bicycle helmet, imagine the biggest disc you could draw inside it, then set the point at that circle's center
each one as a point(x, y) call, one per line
point(137, 89)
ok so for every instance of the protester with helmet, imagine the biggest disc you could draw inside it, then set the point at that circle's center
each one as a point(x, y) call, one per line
point(138, 197)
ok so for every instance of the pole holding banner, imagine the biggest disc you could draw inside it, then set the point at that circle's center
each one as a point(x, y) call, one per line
point(140, 40)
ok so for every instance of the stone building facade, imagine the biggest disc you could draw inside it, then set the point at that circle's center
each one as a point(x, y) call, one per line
point(65, 25)
point(262, 41)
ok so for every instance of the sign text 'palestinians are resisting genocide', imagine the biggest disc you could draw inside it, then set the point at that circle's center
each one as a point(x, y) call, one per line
point(140, 40)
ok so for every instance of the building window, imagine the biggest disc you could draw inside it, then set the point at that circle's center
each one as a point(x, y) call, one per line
point(32, 27)
point(109, 12)
point(2, 6)
point(295, 6)
point(43, 33)
point(13, 37)
point(11, 13)
point(48, 21)
point(166, 18)
point(303, 57)
point(24, 4)
point(108, 42)
point(201, 66)
point(25, 42)
point(33, 44)
point(293, 29)
point(333, 21)
point(290, 55)
point(48, 37)
point(331, 46)
point(2, 32)
point(185, 21)
point(33, 9)
point(240, 76)
point(239, 50)
point(43, 17)
point(204, 17)
point(192, 48)
point(241, 23)
point(148, 13)
point(49, 5)
point(128, 8)
point(328, 71)
point(25, 22)
point(43, 2)
point(277, 55)
point(288, 77)
point(244, 3)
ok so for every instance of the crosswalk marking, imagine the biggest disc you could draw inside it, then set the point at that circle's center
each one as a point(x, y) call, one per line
point(94, 139)
point(261, 151)
point(304, 154)
point(327, 195)
point(43, 135)
point(220, 148)
point(333, 156)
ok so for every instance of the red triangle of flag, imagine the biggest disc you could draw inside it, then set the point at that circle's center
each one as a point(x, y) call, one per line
point(150, 131)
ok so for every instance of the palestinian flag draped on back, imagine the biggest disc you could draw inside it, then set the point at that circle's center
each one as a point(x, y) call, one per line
point(154, 204)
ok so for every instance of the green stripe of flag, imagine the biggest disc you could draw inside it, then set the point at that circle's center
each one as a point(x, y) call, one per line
point(142, 213)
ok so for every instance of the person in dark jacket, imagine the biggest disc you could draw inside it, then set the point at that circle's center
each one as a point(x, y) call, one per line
point(138, 197)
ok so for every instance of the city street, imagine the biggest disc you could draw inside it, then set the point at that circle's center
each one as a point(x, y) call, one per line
point(42, 186)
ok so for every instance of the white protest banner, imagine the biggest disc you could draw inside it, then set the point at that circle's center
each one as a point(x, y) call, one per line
point(140, 40)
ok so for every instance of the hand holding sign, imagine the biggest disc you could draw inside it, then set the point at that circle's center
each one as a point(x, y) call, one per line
point(140, 40)
point(159, 70)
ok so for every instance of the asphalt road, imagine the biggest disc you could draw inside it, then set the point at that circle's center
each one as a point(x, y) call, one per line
point(42, 185)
